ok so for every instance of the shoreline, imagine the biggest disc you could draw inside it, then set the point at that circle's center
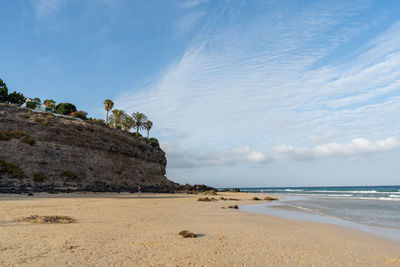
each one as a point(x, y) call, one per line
point(286, 211)
point(123, 229)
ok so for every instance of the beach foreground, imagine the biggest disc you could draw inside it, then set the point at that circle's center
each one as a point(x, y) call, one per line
point(123, 230)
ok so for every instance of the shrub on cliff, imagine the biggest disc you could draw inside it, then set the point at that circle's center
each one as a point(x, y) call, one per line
point(65, 108)
point(31, 105)
point(97, 121)
point(79, 114)
point(11, 169)
point(37, 177)
point(154, 142)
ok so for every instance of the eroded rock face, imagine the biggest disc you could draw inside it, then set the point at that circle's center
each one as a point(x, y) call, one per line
point(72, 155)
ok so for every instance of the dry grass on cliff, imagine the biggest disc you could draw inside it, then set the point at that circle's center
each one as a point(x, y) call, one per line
point(48, 219)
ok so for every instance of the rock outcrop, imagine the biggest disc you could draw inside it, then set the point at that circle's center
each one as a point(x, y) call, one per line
point(44, 152)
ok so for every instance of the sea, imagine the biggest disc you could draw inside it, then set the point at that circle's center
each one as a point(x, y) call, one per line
point(373, 209)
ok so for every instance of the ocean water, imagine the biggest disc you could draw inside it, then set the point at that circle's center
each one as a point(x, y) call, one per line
point(374, 209)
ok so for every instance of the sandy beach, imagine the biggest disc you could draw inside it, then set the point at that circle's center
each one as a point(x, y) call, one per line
point(122, 230)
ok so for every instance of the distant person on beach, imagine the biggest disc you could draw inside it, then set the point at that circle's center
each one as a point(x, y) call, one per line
point(262, 192)
point(139, 189)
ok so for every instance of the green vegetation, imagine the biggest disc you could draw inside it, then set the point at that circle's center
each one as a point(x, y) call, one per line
point(6, 135)
point(49, 104)
point(3, 91)
point(37, 177)
point(11, 169)
point(65, 108)
point(118, 119)
point(31, 105)
point(139, 119)
point(147, 125)
point(108, 105)
point(16, 98)
point(154, 142)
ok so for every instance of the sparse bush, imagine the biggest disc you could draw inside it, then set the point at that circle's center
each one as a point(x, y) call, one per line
point(187, 234)
point(6, 135)
point(255, 198)
point(79, 114)
point(69, 175)
point(97, 121)
point(234, 207)
point(31, 105)
point(10, 168)
point(45, 123)
point(37, 177)
point(137, 134)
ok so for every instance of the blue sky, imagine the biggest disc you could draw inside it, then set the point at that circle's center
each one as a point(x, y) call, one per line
point(241, 93)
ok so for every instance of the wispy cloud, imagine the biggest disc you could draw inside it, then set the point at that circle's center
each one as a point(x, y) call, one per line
point(243, 83)
point(192, 3)
point(187, 21)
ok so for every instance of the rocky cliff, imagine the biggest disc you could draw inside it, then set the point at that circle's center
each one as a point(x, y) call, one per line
point(44, 152)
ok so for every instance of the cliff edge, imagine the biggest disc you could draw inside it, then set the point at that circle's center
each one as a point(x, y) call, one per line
point(43, 152)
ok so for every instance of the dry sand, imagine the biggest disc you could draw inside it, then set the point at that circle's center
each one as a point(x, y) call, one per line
point(122, 230)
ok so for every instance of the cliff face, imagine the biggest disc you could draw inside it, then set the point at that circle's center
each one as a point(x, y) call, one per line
point(44, 152)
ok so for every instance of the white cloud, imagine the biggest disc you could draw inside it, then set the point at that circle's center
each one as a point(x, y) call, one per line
point(251, 155)
point(358, 146)
point(192, 3)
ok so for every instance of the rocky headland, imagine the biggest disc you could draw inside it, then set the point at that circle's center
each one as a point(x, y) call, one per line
point(42, 152)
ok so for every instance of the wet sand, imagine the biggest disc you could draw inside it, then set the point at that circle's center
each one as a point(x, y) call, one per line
point(123, 230)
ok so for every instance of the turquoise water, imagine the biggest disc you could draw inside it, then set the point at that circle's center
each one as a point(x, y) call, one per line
point(375, 209)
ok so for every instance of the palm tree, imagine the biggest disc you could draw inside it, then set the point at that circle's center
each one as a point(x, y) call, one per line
point(138, 121)
point(148, 124)
point(49, 103)
point(108, 105)
point(117, 117)
point(127, 122)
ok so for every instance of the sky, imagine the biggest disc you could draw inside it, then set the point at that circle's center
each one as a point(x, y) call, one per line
point(241, 92)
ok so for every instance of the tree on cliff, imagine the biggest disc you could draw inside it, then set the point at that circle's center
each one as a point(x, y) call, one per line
point(138, 121)
point(116, 118)
point(3, 91)
point(148, 124)
point(49, 103)
point(108, 105)
point(16, 98)
point(127, 122)
point(65, 108)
